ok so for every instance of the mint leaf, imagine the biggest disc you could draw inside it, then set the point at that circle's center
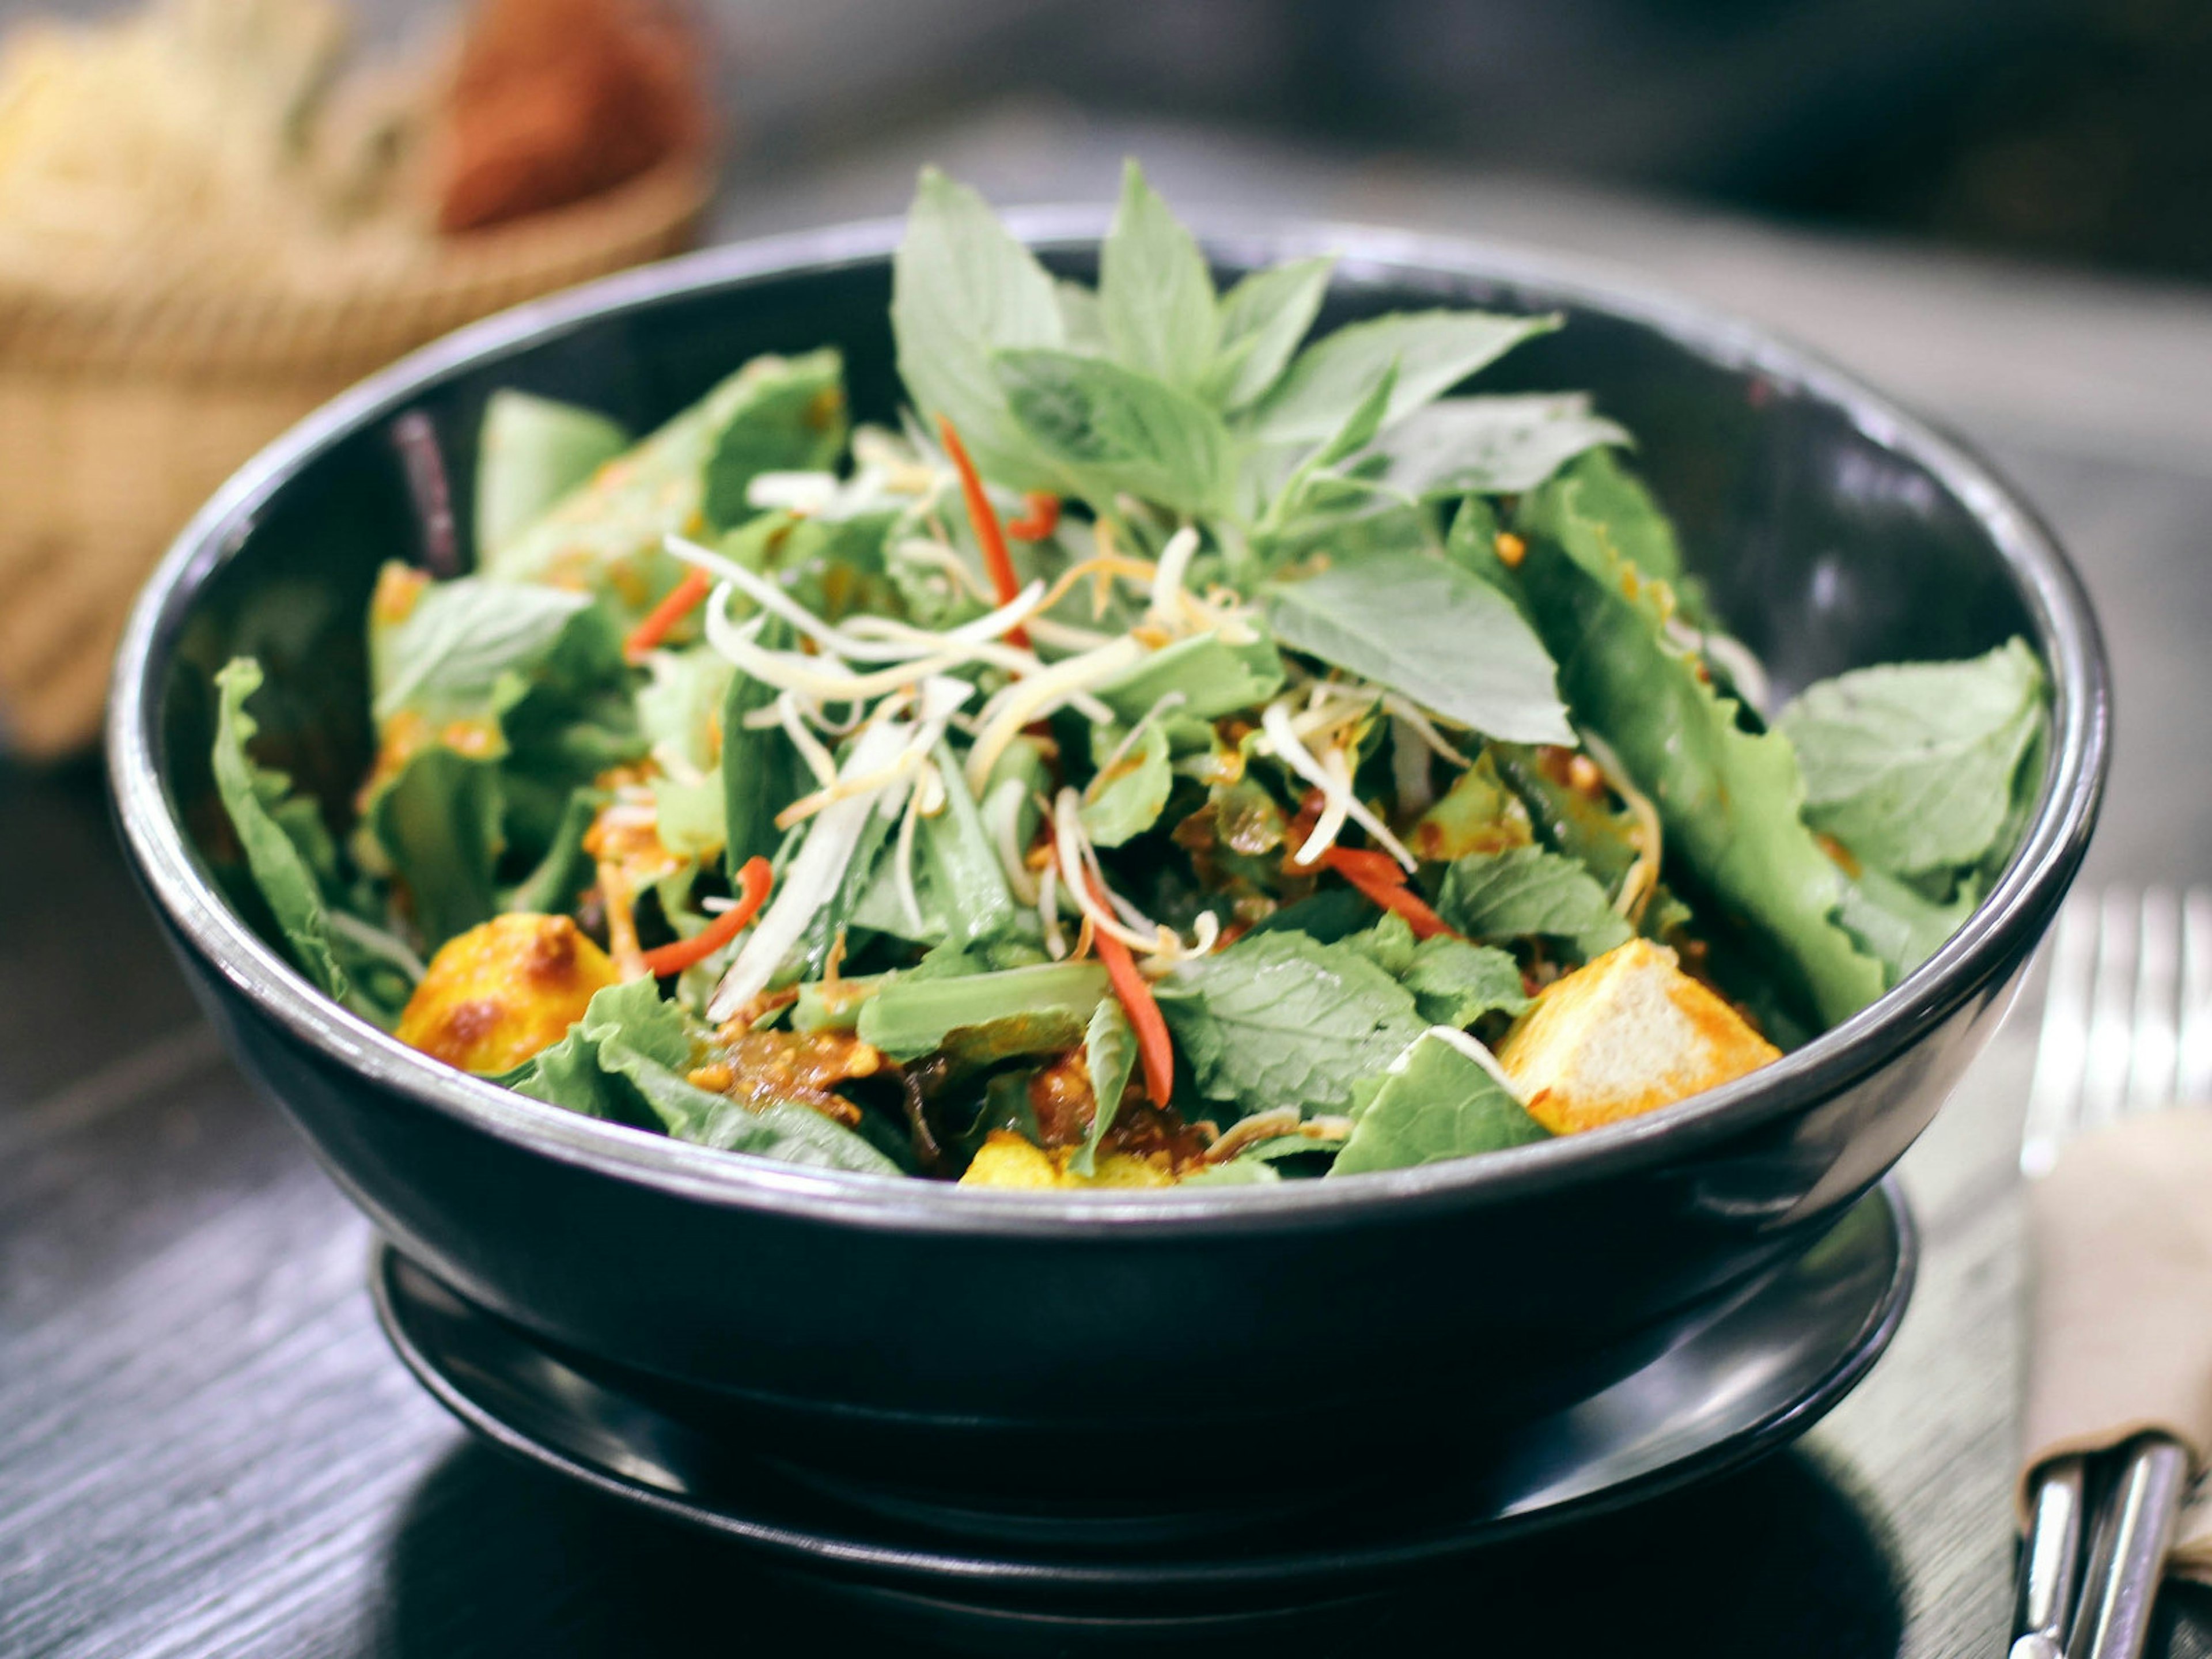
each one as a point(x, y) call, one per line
point(1435, 350)
point(1109, 430)
point(1279, 1020)
point(1127, 799)
point(1490, 446)
point(1081, 318)
point(531, 452)
point(1435, 1104)
point(1420, 625)
point(1154, 294)
point(1455, 983)
point(961, 289)
point(1263, 319)
point(1109, 1052)
point(1911, 765)
point(1530, 892)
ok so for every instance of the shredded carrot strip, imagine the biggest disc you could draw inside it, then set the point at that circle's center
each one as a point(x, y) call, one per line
point(985, 518)
point(1382, 879)
point(1153, 1047)
point(753, 884)
point(1040, 521)
point(664, 617)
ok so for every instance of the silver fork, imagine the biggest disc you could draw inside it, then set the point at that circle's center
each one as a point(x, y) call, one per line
point(2127, 1028)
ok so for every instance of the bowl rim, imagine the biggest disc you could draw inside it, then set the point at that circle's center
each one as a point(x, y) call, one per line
point(1995, 936)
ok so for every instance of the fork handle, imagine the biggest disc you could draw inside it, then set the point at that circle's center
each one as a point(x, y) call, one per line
point(2050, 1563)
point(2130, 1555)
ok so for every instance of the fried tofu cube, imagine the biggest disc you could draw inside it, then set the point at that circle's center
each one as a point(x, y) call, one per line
point(499, 993)
point(1010, 1163)
point(1624, 1034)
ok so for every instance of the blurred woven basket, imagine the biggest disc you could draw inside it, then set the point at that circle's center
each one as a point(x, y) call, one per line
point(120, 413)
point(137, 374)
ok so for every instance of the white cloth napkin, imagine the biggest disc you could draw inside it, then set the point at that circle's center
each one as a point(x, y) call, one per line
point(2121, 1333)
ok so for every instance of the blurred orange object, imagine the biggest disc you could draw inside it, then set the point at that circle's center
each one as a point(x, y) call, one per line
point(554, 100)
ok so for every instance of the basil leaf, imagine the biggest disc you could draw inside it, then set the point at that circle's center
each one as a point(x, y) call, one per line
point(1490, 446)
point(467, 648)
point(1911, 765)
point(1154, 294)
point(1280, 1019)
point(1263, 319)
point(287, 849)
point(531, 452)
point(962, 288)
point(963, 867)
point(1110, 1054)
point(1420, 625)
point(1435, 1104)
point(1435, 350)
point(1126, 799)
point(1530, 892)
point(1109, 430)
point(1082, 320)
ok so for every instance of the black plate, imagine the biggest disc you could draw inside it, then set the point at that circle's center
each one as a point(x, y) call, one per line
point(1768, 1367)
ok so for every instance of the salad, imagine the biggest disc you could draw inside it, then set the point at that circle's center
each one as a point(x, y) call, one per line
point(1186, 748)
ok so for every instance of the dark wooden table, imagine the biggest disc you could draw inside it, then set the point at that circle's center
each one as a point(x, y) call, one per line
point(206, 1449)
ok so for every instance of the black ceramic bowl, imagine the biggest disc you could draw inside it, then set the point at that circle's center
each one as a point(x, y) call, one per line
point(940, 1335)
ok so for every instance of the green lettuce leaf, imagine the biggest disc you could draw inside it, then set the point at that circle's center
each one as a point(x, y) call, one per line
point(608, 536)
point(1602, 514)
point(1435, 1104)
point(438, 823)
point(791, 419)
point(288, 851)
point(1280, 1019)
point(1911, 765)
point(1528, 891)
point(1154, 294)
point(1423, 626)
point(1729, 800)
point(623, 1061)
point(531, 452)
point(1898, 924)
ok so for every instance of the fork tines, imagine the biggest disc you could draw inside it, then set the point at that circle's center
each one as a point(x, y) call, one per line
point(2127, 1016)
